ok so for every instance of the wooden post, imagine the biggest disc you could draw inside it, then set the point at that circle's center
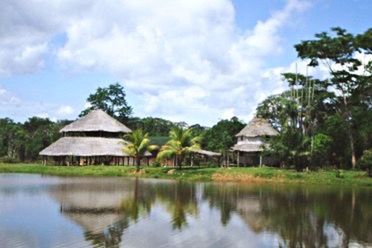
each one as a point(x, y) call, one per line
point(238, 159)
point(260, 160)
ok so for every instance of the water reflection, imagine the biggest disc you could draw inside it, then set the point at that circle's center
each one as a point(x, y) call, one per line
point(105, 209)
point(179, 200)
point(116, 212)
point(302, 217)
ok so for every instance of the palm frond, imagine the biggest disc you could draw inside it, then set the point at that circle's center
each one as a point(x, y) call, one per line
point(163, 154)
point(139, 143)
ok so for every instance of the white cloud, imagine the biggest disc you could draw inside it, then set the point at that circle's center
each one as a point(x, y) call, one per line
point(228, 113)
point(7, 98)
point(65, 110)
point(14, 107)
point(186, 59)
point(87, 105)
point(42, 115)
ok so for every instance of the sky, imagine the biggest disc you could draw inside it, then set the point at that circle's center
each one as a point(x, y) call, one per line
point(197, 61)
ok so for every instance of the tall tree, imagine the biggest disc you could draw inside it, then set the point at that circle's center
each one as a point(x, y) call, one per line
point(297, 114)
point(349, 75)
point(112, 100)
point(322, 120)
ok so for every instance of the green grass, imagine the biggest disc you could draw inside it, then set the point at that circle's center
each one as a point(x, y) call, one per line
point(249, 174)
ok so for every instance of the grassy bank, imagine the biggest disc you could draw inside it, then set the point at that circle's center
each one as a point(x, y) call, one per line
point(247, 175)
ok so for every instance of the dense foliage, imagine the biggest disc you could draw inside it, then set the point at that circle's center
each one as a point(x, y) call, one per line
point(23, 142)
point(365, 162)
point(221, 137)
point(111, 100)
point(154, 126)
point(325, 122)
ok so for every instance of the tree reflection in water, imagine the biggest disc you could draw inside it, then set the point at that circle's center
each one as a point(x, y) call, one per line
point(106, 210)
point(302, 217)
point(180, 200)
point(298, 216)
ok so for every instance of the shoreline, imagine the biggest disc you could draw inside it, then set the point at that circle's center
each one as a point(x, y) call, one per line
point(204, 174)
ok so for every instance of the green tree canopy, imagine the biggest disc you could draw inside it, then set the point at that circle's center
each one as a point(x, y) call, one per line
point(152, 125)
point(221, 136)
point(325, 120)
point(350, 75)
point(112, 100)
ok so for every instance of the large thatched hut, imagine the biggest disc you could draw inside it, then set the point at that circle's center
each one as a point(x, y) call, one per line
point(93, 139)
point(251, 142)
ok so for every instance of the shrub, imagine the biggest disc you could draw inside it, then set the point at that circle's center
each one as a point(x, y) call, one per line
point(156, 164)
point(365, 162)
point(339, 174)
point(9, 160)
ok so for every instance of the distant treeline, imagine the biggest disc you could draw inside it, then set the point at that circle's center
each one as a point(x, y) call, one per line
point(24, 141)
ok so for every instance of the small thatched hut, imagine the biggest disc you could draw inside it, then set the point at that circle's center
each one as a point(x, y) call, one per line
point(93, 139)
point(251, 143)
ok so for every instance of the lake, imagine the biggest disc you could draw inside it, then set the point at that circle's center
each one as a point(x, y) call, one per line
point(46, 211)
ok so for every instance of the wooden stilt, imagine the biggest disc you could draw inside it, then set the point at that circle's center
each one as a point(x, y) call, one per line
point(238, 159)
point(260, 160)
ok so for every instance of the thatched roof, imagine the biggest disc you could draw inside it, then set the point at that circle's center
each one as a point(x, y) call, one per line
point(258, 127)
point(248, 147)
point(96, 120)
point(86, 146)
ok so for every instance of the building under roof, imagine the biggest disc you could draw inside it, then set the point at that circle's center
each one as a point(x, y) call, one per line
point(251, 142)
point(93, 139)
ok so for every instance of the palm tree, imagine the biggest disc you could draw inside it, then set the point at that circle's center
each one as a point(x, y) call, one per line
point(180, 143)
point(139, 144)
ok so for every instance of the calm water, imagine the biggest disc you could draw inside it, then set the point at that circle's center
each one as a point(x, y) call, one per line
point(39, 211)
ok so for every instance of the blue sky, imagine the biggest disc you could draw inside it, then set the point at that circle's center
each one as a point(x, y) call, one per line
point(195, 61)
